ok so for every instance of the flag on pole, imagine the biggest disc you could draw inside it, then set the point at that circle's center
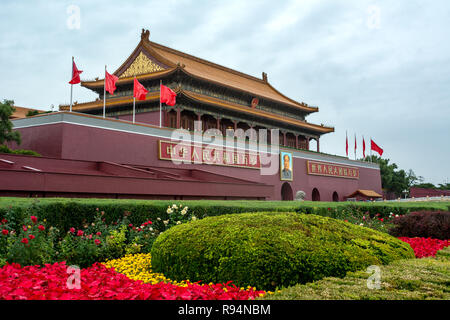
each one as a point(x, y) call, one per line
point(346, 144)
point(167, 96)
point(355, 146)
point(364, 148)
point(139, 91)
point(110, 86)
point(75, 73)
point(110, 82)
point(75, 79)
point(375, 147)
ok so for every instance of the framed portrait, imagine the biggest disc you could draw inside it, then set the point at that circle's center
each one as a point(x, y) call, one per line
point(286, 166)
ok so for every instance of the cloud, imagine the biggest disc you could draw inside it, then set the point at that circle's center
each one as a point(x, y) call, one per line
point(389, 81)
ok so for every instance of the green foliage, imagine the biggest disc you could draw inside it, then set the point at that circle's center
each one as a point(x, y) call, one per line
point(31, 113)
point(30, 245)
point(442, 186)
point(97, 240)
point(67, 213)
point(269, 250)
point(5, 149)
point(6, 132)
point(408, 279)
point(393, 180)
point(79, 250)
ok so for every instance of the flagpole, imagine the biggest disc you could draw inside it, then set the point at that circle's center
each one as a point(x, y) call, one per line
point(160, 84)
point(134, 102)
point(371, 160)
point(355, 146)
point(71, 89)
point(364, 151)
point(104, 95)
point(346, 144)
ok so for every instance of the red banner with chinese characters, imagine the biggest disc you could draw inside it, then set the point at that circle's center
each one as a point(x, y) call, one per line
point(207, 154)
point(332, 170)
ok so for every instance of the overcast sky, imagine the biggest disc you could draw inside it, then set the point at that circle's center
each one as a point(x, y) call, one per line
point(375, 68)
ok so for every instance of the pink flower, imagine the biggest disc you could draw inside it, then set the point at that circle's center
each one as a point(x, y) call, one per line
point(24, 228)
point(41, 227)
point(97, 242)
point(72, 230)
point(31, 237)
point(24, 240)
point(5, 232)
point(80, 233)
point(34, 219)
point(130, 225)
point(98, 233)
point(90, 236)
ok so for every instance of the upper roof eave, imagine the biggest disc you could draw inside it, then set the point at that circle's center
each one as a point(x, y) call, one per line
point(157, 51)
point(99, 83)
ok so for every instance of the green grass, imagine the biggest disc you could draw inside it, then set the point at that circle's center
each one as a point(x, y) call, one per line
point(410, 279)
point(250, 204)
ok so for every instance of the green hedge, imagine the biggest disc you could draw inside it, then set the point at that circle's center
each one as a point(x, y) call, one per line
point(269, 249)
point(65, 213)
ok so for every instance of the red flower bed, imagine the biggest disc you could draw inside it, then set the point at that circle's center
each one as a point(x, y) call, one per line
point(100, 283)
point(425, 247)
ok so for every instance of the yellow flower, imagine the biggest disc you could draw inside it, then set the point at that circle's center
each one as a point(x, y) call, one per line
point(138, 267)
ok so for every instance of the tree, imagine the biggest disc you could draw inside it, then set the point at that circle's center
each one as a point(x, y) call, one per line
point(31, 113)
point(445, 186)
point(6, 132)
point(393, 180)
point(426, 185)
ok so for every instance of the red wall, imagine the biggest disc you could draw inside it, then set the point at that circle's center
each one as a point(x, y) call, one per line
point(70, 141)
point(145, 117)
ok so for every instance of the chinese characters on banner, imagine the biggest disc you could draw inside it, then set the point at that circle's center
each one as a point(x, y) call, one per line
point(326, 169)
point(200, 154)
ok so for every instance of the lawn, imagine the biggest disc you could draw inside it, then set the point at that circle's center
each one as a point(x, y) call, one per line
point(410, 279)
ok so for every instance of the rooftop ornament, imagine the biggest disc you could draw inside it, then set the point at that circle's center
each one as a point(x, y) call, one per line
point(145, 35)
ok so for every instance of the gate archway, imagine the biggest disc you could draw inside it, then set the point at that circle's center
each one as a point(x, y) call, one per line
point(335, 197)
point(286, 192)
point(315, 195)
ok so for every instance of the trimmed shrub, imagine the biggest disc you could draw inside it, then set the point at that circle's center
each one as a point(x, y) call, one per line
point(66, 213)
point(270, 250)
point(423, 224)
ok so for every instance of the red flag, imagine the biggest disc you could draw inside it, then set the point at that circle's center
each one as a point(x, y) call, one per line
point(375, 147)
point(139, 91)
point(355, 143)
point(167, 96)
point(110, 82)
point(346, 144)
point(75, 74)
point(364, 148)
